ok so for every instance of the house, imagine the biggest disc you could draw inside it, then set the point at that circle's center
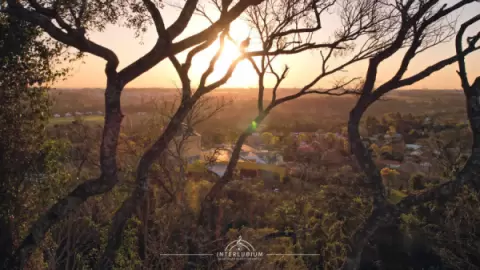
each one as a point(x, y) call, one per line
point(99, 113)
point(250, 164)
point(250, 156)
point(88, 113)
point(78, 113)
point(417, 153)
point(413, 147)
point(56, 115)
point(68, 115)
point(270, 157)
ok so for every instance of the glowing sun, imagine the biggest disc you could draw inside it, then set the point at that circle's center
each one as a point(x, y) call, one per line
point(244, 75)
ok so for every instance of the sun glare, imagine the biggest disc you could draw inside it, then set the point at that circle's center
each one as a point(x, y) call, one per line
point(244, 74)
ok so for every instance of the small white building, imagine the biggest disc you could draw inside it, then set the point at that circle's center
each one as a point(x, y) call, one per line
point(56, 115)
point(426, 164)
point(100, 113)
point(394, 166)
point(417, 153)
point(253, 158)
point(68, 114)
point(88, 113)
point(78, 113)
point(427, 121)
point(413, 147)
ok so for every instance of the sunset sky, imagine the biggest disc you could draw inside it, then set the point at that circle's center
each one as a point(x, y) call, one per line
point(303, 67)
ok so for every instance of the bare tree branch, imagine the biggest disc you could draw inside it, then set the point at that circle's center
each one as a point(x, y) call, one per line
point(459, 49)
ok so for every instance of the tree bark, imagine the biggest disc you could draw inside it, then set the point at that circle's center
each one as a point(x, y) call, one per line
point(206, 217)
point(209, 211)
point(373, 179)
point(6, 240)
point(362, 154)
point(470, 175)
point(127, 208)
point(104, 183)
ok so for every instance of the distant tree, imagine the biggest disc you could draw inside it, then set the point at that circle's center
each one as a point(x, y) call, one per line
point(389, 177)
point(392, 130)
point(330, 139)
point(373, 125)
point(449, 148)
point(267, 137)
point(417, 181)
point(275, 141)
point(375, 150)
point(346, 147)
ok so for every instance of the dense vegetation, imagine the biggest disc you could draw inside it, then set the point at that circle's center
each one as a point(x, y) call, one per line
point(111, 187)
point(322, 208)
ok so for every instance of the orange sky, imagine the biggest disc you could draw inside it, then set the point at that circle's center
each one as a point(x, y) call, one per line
point(303, 67)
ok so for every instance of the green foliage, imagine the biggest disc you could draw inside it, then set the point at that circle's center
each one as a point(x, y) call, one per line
point(392, 130)
point(127, 256)
point(386, 149)
point(389, 177)
point(396, 196)
point(375, 150)
point(195, 192)
point(417, 181)
point(31, 173)
point(267, 137)
point(450, 228)
point(372, 125)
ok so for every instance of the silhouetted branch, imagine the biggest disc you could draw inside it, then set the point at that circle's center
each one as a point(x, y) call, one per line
point(459, 50)
point(415, 22)
point(214, 60)
point(157, 19)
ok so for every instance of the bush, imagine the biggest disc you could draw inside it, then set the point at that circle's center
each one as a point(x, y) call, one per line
point(416, 182)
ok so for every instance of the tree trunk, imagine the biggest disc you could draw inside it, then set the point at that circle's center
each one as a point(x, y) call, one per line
point(104, 183)
point(373, 179)
point(362, 154)
point(473, 113)
point(468, 175)
point(208, 211)
point(6, 240)
point(207, 215)
point(361, 237)
point(127, 208)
